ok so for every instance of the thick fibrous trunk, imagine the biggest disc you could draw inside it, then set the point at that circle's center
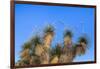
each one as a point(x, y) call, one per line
point(45, 56)
point(25, 53)
point(67, 55)
point(39, 50)
point(54, 60)
point(80, 50)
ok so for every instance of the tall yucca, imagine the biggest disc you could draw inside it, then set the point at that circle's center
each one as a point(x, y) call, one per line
point(67, 37)
point(83, 39)
point(67, 50)
point(38, 48)
point(48, 35)
point(47, 39)
point(25, 49)
point(25, 53)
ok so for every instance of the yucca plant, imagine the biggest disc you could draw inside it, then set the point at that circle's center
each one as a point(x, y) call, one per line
point(57, 50)
point(37, 43)
point(81, 46)
point(67, 41)
point(67, 55)
point(54, 60)
point(68, 33)
point(25, 53)
point(39, 50)
point(67, 50)
point(49, 30)
point(47, 39)
point(45, 58)
point(55, 54)
point(36, 40)
point(26, 50)
point(67, 37)
point(48, 36)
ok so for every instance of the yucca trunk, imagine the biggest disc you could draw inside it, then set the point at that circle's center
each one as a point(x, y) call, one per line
point(25, 57)
point(67, 55)
point(64, 58)
point(54, 60)
point(45, 57)
point(25, 53)
point(35, 60)
point(39, 50)
point(47, 40)
point(47, 43)
point(67, 41)
point(80, 49)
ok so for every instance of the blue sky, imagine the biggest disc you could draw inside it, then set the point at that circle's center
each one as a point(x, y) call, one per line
point(32, 19)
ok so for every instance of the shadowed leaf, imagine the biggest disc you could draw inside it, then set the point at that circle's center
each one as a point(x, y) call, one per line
point(68, 33)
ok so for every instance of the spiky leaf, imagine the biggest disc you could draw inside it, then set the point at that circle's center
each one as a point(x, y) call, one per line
point(68, 33)
point(49, 29)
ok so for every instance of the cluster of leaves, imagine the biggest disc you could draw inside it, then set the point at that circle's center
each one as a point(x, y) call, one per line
point(28, 49)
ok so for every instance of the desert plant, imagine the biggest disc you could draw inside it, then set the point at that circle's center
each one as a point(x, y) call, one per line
point(39, 50)
point(81, 46)
point(25, 53)
point(48, 36)
point(67, 37)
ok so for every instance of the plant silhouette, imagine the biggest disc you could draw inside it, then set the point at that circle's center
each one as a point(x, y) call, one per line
point(39, 50)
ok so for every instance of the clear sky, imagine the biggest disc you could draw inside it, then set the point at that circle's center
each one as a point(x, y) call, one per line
point(32, 19)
